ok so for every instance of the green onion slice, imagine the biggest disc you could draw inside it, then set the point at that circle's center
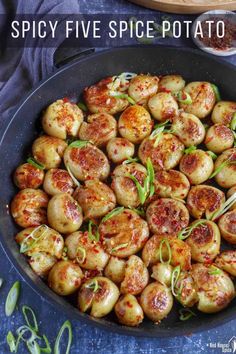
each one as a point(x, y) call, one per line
point(142, 192)
point(212, 155)
point(46, 349)
point(25, 329)
point(233, 122)
point(66, 325)
point(190, 149)
point(166, 242)
point(11, 341)
point(214, 270)
point(117, 248)
point(33, 347)
point(184, 97)
point(140, 211)
point(76, 182)
point(226, 206)
point(185, 233)
point(35, 163)
point(94, 285)
point(12, 298)
point(112, 213)
point(82, 106)
point(216, 92)
point(186, 314)
point(117, 94)
point(222, 165)
point(26, 246)
point(33, 326)
point(130, 160)
point(159, 130)
point(82, 252)
point(79, 143)
point(174, 279)
point(91, 235)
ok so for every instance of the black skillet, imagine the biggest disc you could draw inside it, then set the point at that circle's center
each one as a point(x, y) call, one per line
point(69, 81)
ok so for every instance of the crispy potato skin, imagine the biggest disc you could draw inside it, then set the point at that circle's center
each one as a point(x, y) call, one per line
point(141, 87)
point(227, 225)
point(204, 200)
point(219, 138)
point(115, 269)
point(58, 181)
point(223, 112)
point(162, 272)
point(156, 301)
point(128, 311)
point(28, 207)
point(226, 260)
point(171, 184)
point(215, 291)
point(226, 178)
point(167, 215)
point(163, 106)
point(119, 149)
point(62, 118)
point(171, 83)
point(28, 176)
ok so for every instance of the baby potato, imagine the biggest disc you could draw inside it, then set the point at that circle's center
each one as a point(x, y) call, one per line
point(197, 166)
point(227, 225)
point(115, 269)
point(156, 301)
point(180, 251)
point(99, 128)
point(204, 241)
point(204, 200)
point(188, 128)
point(87, 162)
point(230, 192)
point(58, 181)
point(171, 184)
point(136, 276)
point(227, 261)
point(171, 83)
point(28, 207)
point(98, 294)
point(119, 149)
point(41, 263)
point(49, 241)
point(125, 189)
point(226, 178)
point(128, 311)
point(165, 155)
point(28, 176)
point(141, 87)
point(219, 138)
point(95, 198)
point(49, 151)
point(163, 106)
point(223, 112)
point(65, 278)
point(62, 118)
point(135, 124)
point(162, 272)
point(167, 216)
point(186, 290)
point(124, 234)
point(98, 99)
point(214, 287)
point(203, 99)
point(88, 253)
point(64, 213)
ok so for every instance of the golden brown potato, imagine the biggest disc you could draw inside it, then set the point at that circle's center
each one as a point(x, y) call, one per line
point(223, 112)
point(186, 290)
point(41, 263)
point(119, 149)
point(214, 287)
point(135, 124)
point(203, 99)
point(188, 128)
point(28, 207)
point(204, 241)
point(156, 301)
point(204, 200)
point(95, 198)
point(136, 276)
point(125, 189)
point(171, 83)
point(171, 184)
point(65, 278)
point(180, 251)
point(28, 176)
point(124, 234)
point(49, 151)
point(227, 261)
point(197, 166)
point(230, 192)
point(58, 181)
point(128, 311)
point(226, 178)
point(162, 272)
point(98, 99)
point(115, 269)
point(219, 138)
point(64, 213)
point(163, 106)
point(167, 216)
point(62, 119)
point(165, 155)
point(227, 225)
point(141, 87)
point(98, 294)
point(87, 162)
point(88, 253)
point(99, 128)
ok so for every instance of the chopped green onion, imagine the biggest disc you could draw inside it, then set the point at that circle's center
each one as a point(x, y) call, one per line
point(46, 349)
point(112, 213)
point(25, 247)
point(212, 155)
point(190, 149)
point(12, 298)
point(166, 242)
point(33, 347)
point(35, 163)
point(117, 248)
point(26, 309)
point(150, 177)
point(184, 97)
point(82, 252)
point(82, 106)
point(174, 279)
point(130, 160)
point(93, 237)
point(214, 270)
point(11, 341)
point(226, 206)
point(216, 92)
point(64, 254)
point(142, 193)
point(222, 165)
point(234, 134)
point(159, 130)
point(186, 314)
point(24, 329)
point(66, 325)
point(79, 143)
point(76, 182)
point(206, 126)
point(94, 285)
point(185, 233)
point(117, 94)
point(233, 122)
point(140, 211)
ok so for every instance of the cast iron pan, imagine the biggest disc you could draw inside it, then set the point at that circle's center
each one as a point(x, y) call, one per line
point(69, 81)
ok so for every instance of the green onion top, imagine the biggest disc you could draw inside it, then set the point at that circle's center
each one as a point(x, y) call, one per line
point(82, 106)
point(186, 314)
point(35, 163)
point(112, 213)
point(66, 325)
point(79, 143)
point(174, 279)
point(212, 155)
point(12, 298)
point(185, 233)
point(166, 242)
point(190, 149)
point(216, 92)
point(226, 206)
point(233, 122)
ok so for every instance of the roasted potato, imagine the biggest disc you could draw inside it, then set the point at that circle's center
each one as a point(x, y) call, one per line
point(41, 263)
point(227, 225)
point(141, 87)
point(226, 177)
point(223, 112)
point(171, 184)
point(230, 192)
point(186, 290)
point(162, 272)
point(115, 269)
point(171, 83)
point(28, 176)
point(128, 311)
point(163, 106)
point(219, 138)
point(119, 149)
point(58, 181)
point(226, 260)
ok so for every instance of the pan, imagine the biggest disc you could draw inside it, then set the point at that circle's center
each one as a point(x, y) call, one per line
point(69, 81)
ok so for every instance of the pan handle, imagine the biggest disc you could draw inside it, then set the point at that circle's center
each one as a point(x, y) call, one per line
point(63, 56)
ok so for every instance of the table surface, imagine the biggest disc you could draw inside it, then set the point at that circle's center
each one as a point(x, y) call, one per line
point(88, 339)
